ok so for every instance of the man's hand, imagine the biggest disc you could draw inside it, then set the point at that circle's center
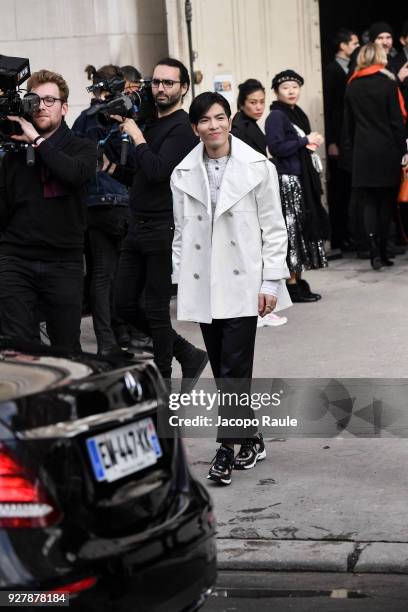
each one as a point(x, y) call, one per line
point(333, 150)
point(130, 127)
point(29, 132)
point(266, 303)
point(403, 73)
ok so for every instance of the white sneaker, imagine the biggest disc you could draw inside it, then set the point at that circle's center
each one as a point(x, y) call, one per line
point(271, 320)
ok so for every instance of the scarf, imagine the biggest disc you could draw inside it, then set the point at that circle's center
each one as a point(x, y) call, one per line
point(316, 226)
point(374, 69)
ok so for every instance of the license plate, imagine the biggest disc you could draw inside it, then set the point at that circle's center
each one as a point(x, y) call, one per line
point(123, 451)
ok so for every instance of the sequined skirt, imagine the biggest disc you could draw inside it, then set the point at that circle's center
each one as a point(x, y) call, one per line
point(302, 254)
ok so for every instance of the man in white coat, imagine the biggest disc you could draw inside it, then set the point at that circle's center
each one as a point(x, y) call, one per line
point(229, 259)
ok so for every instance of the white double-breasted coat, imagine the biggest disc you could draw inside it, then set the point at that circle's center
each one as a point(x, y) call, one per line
point(220, 264)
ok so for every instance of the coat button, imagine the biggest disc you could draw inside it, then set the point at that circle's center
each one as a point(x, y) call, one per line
point(230, 214)
point(197, 246)
point(196, 275)
point(236, 272)
point(233, 243)
point(199, 218)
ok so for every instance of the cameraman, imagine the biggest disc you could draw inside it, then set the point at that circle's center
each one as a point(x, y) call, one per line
point(42, 221)
point(108, 209)
point(146, 259)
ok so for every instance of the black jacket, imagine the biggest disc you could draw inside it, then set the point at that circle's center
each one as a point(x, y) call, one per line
point(334, 83)
point(375, 130)
point(103, 190)
point(247, 129)
point(395, 65)
point(42, 207)
point(168, 140)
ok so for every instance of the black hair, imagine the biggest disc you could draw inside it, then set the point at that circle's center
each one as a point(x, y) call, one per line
point(105, 72)
point(203, 102)
point(246, 88)
point(174, 63)
point(131, 74)
point(343, 35)
point(404, 29)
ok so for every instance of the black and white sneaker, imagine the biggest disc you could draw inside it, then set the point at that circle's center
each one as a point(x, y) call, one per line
point(221, 467)
point(251, 451)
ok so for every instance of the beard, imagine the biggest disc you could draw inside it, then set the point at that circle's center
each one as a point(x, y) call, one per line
point(168, 101)
point(45, 126)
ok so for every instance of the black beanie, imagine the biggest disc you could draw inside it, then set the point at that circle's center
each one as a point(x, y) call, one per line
point(378, 28)
point(286, 75)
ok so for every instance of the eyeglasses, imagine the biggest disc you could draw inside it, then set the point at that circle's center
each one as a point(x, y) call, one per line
point(167, 83)
point(50, 100)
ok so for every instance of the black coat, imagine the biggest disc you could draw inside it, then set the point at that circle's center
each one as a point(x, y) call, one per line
point(335, 82)
point(395, 65)
point(374, 127)
point(247, 129)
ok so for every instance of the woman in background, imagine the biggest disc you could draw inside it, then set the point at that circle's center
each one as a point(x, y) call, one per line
point(292, 144)
point(251, 105)
point(374, 120)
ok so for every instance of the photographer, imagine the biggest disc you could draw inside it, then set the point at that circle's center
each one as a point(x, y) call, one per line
point(42, 220)
point(108, 209)
point(146, 260)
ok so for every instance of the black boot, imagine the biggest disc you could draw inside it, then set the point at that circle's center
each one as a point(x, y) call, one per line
point(192, 360)
point(375, 257)
point(306, 288)
point(386, 261)
point(298, 294)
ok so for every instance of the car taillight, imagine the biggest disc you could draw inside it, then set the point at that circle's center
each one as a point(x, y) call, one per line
point(76, 587)
point(23, 500)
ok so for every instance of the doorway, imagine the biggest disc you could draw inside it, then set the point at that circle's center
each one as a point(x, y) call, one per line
point(357, 15)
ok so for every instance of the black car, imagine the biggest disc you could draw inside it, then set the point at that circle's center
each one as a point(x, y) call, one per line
point(92, 502)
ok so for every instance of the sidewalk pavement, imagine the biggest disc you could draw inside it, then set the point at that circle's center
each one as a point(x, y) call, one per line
point(337, 504)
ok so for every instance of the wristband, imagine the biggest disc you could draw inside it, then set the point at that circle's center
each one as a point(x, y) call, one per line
point(36, 139)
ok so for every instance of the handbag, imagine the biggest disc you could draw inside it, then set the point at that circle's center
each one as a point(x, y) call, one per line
point(403, 190)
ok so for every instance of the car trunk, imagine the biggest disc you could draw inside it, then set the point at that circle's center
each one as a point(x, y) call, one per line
point(92, 442)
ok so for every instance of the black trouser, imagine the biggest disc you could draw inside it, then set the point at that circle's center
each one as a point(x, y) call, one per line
point(338, 196)
point(107, 228)
point(56, 286)
point(377, 205)
point(145, 266)
point(357, 220)
point(230, 345)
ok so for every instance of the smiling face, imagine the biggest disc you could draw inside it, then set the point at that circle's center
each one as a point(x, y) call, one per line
point(48, 118)
point(213, 128)
point(254, 104)
point(289, 92)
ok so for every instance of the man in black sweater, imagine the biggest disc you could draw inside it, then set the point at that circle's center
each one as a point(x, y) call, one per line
point(145, 264)
point(42, 221)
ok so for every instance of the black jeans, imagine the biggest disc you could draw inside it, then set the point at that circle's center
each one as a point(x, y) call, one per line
point(107, 228)
point(54, 286)
point(145, 267)
point(230, 345)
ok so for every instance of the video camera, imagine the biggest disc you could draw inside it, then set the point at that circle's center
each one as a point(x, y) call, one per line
point(13, 72)
point(137, 105)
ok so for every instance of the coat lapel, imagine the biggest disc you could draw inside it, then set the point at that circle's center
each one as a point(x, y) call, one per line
point(194, 182)
point(239, 178)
